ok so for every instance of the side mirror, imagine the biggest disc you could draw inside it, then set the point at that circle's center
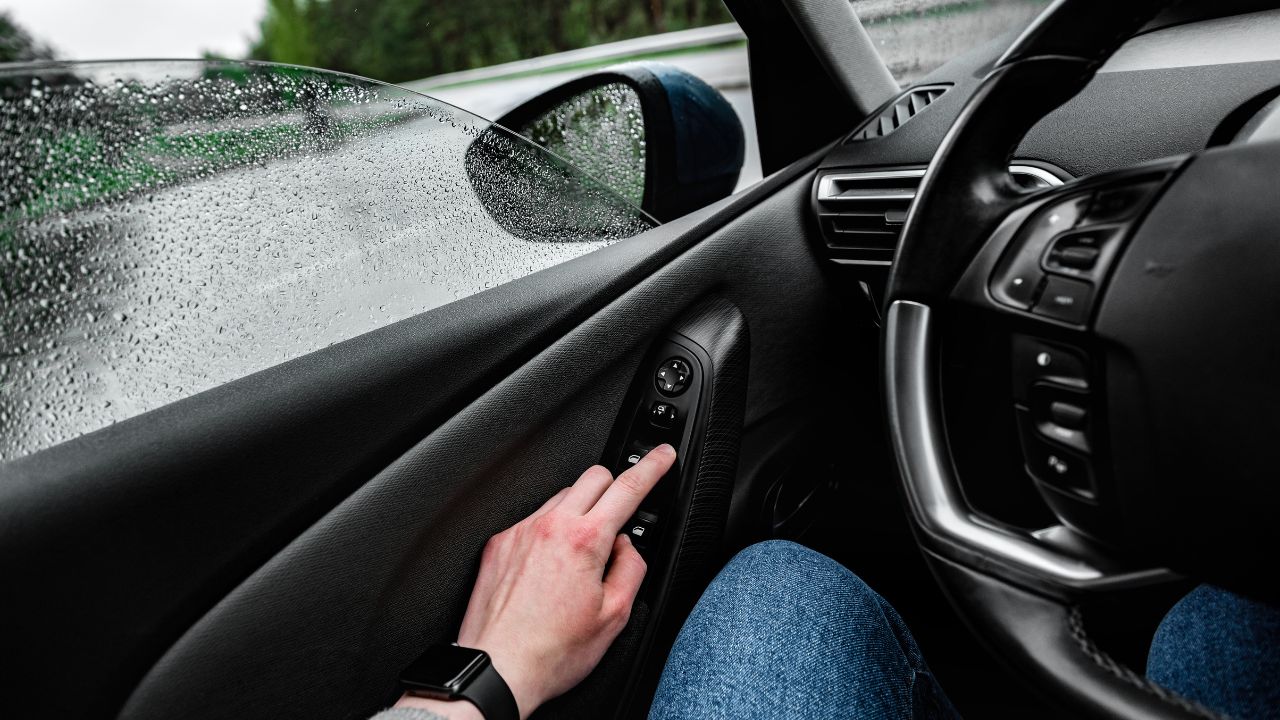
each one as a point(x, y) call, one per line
point(661, 137)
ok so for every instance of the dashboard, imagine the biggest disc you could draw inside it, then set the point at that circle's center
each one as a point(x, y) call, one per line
point(1169, 91)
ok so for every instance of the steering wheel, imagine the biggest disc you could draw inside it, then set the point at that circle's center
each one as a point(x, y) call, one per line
point(1139, 306)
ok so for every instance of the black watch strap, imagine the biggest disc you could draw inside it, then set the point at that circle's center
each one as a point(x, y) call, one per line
point(453, 672)
point(489, 692)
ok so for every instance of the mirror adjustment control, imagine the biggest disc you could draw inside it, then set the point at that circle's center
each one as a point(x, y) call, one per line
point(672, 377)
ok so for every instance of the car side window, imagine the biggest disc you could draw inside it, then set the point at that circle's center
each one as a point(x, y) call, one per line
point(167, 227)
point(914, 37)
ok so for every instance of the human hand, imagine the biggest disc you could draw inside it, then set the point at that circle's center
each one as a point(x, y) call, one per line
point(543, 607)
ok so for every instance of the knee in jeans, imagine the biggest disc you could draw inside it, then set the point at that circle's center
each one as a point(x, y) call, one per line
point(797, 570)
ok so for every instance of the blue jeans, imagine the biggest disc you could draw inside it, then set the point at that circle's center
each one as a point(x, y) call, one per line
point(784, 632)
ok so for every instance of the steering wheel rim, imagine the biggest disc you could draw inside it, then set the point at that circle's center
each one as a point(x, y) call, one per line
point(1022, 588)
point(968, 191)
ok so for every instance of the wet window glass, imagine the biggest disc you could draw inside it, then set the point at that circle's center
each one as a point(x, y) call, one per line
point(914, 37)
point(169, 227)
point(602, 132)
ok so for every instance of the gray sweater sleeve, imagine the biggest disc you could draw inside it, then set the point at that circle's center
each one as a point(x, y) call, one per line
point(407, 714)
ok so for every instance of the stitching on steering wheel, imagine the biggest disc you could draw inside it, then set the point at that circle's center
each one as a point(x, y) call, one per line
point(1075, 621)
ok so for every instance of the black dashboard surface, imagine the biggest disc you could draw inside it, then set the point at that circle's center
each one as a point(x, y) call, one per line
point(1170, 91)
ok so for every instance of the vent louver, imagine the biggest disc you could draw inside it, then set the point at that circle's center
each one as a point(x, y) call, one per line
point(862, 212)
point(907, 106)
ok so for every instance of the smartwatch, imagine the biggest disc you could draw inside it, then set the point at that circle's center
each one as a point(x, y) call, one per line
point(452, 672)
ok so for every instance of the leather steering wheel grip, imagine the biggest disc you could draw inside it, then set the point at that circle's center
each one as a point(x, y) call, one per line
point(1046, 641)
point(1019, 601)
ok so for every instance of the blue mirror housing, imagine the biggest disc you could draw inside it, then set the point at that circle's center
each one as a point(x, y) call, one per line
point(693, 146)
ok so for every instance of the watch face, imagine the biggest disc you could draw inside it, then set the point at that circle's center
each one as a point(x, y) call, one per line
point(444, 669)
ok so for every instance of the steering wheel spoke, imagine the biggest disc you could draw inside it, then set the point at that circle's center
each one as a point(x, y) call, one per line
point(1044, 269)
point(1050, 258)
point(1054, 559)
point(1143, 387)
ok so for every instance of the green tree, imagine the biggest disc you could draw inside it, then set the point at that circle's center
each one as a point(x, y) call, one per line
point(17, 45)
point(397, 40)
point(285, 34)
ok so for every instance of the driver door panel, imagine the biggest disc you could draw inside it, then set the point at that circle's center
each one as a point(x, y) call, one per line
point(322, 520)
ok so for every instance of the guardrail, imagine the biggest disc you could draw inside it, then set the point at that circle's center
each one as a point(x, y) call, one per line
point(665, 42)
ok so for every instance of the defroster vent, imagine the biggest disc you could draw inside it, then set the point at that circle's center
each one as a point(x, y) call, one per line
point(907, 106)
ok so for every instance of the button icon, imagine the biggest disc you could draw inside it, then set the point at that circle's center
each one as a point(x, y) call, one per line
point(672, 377)
point(633, 458)
point(1057, 465)
point(663, 414)
point(638, 531)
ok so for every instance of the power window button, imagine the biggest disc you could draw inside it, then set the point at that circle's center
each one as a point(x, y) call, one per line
point(641, 528)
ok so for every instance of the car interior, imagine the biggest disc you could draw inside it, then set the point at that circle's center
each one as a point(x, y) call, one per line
point(995, 341)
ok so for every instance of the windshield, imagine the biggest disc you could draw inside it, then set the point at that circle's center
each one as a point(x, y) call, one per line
point(915, 37)
point(166, 227)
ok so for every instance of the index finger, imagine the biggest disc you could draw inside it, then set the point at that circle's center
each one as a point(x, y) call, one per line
point(623, 496)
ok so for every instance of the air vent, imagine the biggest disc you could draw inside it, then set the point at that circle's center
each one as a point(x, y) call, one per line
point(907, 106)
point(861, 213)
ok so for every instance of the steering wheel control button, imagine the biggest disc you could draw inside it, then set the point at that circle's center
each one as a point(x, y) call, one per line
point(1035, 361)
point(1071, 437)
point(1079, 252)
point(1067, 415)
point(1119, 203)
point(673, 376)
point(663, 415)
point(1078, 258)
point(1065, 300)
point(1064, 471)
point(1018, 278)
point(1058, 217)
point(1053, 465)
point(1061, 414)
point(1020, 290)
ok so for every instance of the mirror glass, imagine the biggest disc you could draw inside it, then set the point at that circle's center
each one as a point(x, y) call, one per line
point(601, 131)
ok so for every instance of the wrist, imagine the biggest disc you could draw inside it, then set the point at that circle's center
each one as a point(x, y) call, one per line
point(460, 679)
point(452, 709)
point(519, 680)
